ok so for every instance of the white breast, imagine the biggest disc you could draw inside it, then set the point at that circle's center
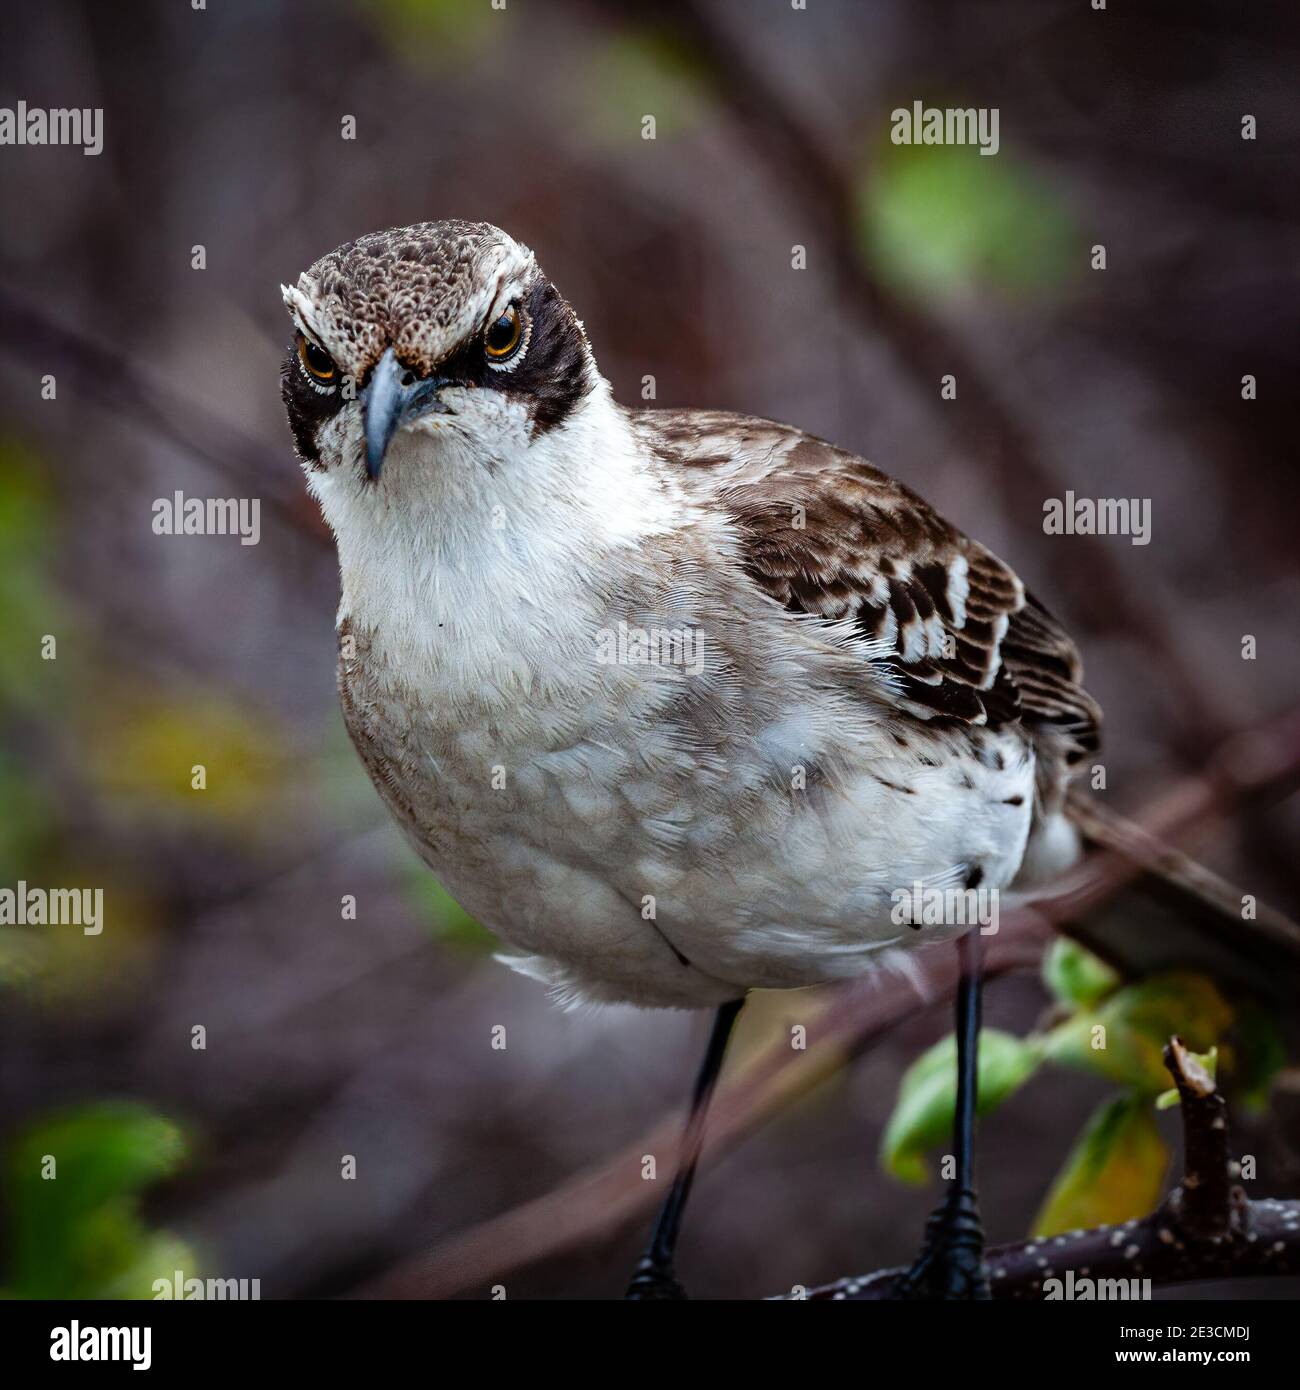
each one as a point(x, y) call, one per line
point(633, 831)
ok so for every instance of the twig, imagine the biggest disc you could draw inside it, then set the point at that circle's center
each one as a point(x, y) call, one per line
point(130, 389)
point(1204, 1229)
point(1207, 1188)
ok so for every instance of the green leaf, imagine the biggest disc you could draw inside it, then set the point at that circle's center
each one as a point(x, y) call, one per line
point(77, 1233)
point(927, 1097)
point(943, 220)
point(1113, 1174)
point(1076, 976)
point(1124, 1037)
point(1259, 1053)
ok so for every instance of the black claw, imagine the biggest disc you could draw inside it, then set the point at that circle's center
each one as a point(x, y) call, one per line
point(654, 1281)
point(951, 1264)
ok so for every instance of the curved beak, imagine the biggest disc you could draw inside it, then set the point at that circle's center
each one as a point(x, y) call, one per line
point(393, 396)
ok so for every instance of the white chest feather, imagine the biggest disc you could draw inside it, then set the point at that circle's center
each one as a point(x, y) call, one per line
point(664, 832)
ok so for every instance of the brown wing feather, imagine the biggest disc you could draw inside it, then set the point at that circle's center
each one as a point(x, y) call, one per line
point(947, 624)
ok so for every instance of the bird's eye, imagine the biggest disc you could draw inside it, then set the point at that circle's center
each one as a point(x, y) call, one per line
point(316, 360)
point(502, 337)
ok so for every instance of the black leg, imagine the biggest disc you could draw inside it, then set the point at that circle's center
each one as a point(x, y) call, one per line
point(951, 1263)
point(655, 1276)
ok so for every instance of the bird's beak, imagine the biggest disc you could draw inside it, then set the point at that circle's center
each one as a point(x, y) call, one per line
point(392, 396)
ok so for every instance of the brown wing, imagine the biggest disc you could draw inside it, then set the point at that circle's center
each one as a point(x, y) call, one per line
point(947, 624)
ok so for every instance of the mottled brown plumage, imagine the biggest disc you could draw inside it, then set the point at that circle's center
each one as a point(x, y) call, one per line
point(938, 616)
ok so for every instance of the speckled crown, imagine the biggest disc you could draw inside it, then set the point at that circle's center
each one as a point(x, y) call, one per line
point(421, 289)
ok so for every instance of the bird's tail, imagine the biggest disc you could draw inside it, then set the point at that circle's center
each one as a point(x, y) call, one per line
point(1178, 914)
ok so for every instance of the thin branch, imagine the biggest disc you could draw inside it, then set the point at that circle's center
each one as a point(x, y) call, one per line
point(1204, 1229)
point(132, 390)
point(1207, 1207)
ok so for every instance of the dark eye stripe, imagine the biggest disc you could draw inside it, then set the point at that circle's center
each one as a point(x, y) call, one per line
point(308, 403)
point(551, 377)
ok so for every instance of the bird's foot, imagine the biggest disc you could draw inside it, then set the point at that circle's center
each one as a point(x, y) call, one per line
point(951, 1265)
point(654, 1281)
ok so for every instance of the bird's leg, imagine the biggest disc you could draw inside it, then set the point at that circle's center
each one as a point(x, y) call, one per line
point(655, 1276)
point(951, 1262)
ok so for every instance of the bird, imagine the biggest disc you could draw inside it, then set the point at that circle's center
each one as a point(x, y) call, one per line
point(678, 703)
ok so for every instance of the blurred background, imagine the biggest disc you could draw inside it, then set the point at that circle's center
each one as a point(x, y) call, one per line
point(327, 1035)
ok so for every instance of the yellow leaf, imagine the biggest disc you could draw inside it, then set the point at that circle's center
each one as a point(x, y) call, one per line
point(143, 749)
point(1124, 1037)
point(1114, 1173)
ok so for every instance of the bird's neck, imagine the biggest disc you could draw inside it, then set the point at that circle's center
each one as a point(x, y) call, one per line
point(483, 563)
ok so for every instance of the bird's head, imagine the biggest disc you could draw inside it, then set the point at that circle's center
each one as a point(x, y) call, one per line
point(443, 332)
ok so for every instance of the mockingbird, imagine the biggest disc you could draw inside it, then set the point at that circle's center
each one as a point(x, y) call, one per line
point(679, 702)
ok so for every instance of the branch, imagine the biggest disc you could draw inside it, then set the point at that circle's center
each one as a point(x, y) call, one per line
point(1205, 1229)
point(134, 391)
point(1207, 1204)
